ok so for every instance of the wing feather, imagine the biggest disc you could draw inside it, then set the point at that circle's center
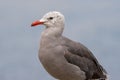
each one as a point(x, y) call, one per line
point(82, 57)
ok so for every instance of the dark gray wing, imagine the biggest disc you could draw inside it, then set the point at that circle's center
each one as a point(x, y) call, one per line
point(80, 56)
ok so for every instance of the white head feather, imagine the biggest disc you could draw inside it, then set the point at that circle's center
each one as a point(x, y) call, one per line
point(54, 22)
point(53, 19)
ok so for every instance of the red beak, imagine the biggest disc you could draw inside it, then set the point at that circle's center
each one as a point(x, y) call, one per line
point(37, 23)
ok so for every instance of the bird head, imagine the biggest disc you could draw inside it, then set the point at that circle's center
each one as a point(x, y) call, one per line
point(50, 19)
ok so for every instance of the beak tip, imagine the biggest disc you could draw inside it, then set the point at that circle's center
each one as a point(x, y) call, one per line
point(32, 25)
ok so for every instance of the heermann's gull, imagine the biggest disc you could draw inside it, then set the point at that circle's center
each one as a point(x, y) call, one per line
point(63, 58)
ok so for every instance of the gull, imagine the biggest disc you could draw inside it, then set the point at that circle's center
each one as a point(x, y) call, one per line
point(65, 59)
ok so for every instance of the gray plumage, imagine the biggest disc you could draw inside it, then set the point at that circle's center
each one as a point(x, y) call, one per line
point(63, 58)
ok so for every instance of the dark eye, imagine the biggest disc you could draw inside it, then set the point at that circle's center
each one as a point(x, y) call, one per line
point(50, 18)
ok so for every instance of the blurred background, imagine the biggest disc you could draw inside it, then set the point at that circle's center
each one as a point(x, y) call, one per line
point(94, 23)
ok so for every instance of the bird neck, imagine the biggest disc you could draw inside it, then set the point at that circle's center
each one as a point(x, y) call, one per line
point(53, 31)
point(51, 37)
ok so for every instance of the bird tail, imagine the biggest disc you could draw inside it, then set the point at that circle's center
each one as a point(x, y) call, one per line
point(100, 79)
point(106, 78)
